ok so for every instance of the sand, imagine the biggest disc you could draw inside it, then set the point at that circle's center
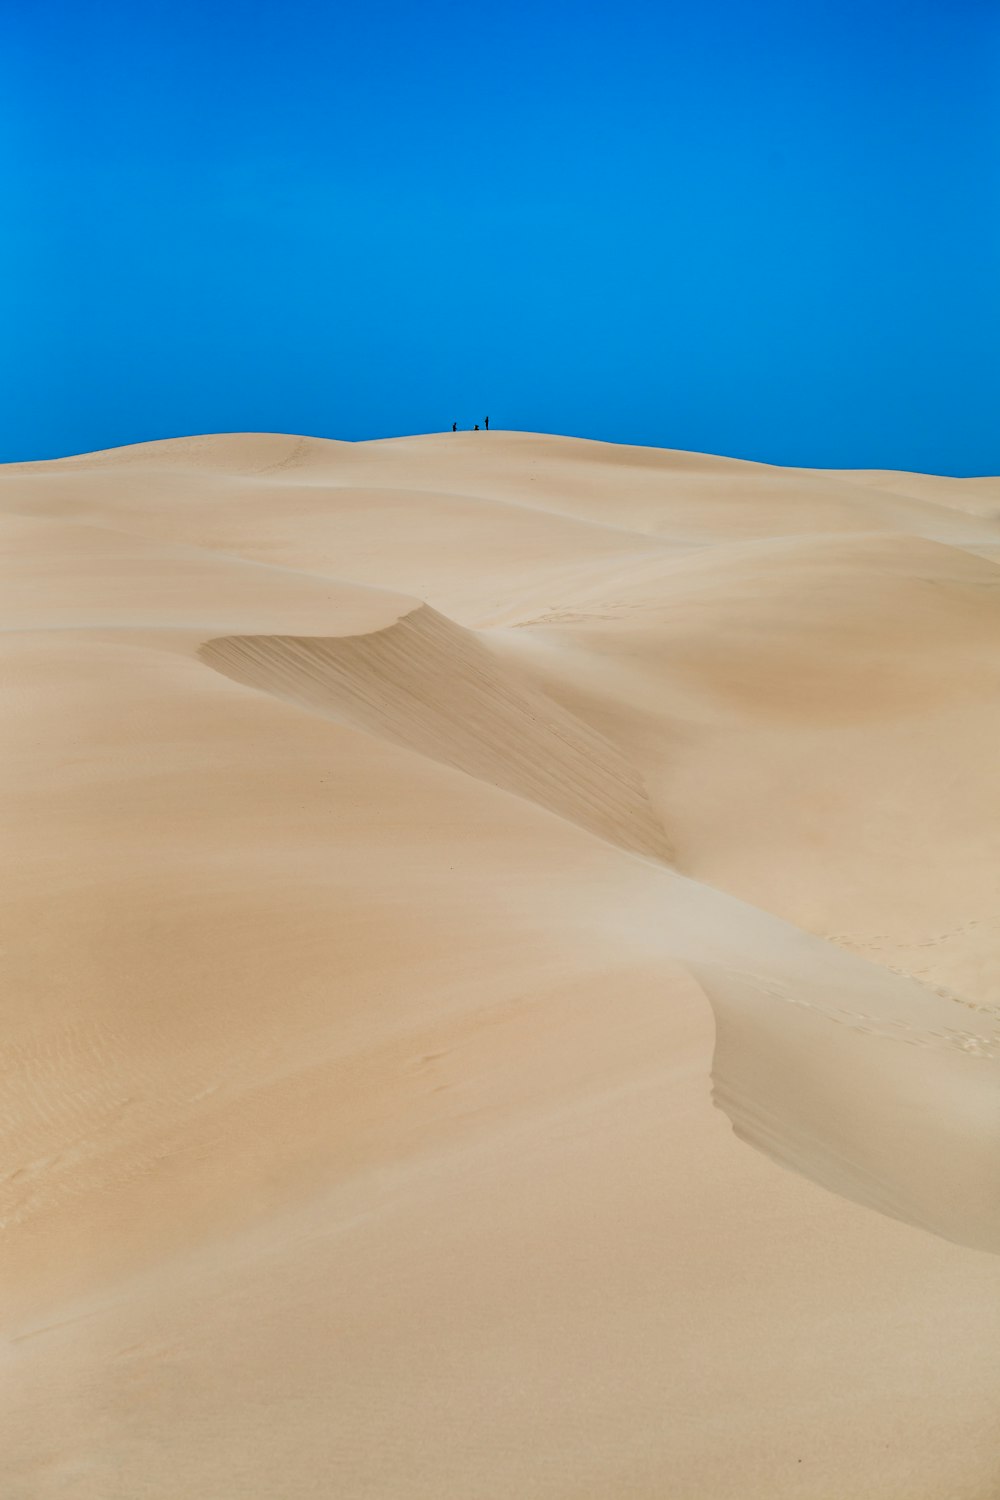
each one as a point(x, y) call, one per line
point(502, 953)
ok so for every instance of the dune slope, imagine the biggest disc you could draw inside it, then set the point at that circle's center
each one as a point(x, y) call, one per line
point(503, 975)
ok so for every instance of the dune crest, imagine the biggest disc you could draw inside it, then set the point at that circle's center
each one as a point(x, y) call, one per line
point(826, 1103)
point(427, 684)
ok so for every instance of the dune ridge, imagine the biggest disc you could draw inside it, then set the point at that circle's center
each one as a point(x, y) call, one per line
point(430, 686)
point(409, 840)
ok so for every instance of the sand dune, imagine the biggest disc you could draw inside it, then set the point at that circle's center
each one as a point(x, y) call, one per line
point(407, 843)
point(432, 687)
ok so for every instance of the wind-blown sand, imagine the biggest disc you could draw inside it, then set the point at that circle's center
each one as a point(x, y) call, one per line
point(502, 953)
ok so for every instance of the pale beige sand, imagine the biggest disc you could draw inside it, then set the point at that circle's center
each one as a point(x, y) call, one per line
point(405, 841)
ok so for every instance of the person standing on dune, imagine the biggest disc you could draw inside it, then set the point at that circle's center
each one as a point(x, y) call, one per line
point(487, 424)
point(454, 426)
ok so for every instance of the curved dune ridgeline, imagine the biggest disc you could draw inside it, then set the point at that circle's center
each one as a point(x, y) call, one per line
point(430, 686)
point(408, 842)
point(914, 1135)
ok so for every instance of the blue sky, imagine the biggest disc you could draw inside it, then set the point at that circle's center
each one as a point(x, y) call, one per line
point(766, 229)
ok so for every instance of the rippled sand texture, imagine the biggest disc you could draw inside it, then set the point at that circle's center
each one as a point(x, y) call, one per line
point(501, 940)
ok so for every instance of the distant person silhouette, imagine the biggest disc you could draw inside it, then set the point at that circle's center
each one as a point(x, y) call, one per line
point(454, 426)
point(476, 428)
point(487, 424)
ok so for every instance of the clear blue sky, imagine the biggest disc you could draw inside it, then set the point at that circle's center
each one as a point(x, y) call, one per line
point(769, 228)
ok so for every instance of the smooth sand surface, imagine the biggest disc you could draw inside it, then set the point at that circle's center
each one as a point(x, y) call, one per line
point(502, 953)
